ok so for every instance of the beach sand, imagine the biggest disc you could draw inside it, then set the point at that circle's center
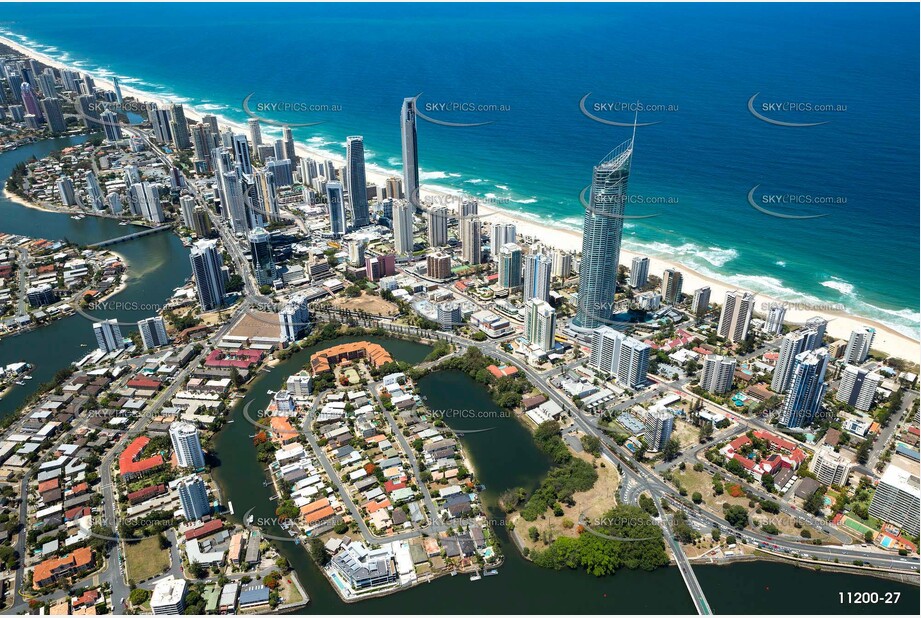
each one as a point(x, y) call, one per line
point(840, 323)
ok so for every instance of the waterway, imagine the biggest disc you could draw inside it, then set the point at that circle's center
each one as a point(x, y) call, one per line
point(504, 457)
point(157, 264)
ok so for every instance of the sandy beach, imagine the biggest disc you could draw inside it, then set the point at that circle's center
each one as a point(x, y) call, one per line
point(840, 324)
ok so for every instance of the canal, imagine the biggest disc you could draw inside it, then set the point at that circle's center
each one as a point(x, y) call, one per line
point(504, 457)
point(157, 264)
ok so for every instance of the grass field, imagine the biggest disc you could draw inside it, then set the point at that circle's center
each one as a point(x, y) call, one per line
point(145, 559)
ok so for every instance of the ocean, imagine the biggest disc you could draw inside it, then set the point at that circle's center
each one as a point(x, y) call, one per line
point(703, 74)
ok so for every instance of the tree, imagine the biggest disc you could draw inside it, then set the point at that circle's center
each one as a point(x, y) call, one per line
point(706, 430)
point(533, 534)
point(736, 516)
point(139, 596)
point(671, 450)
point(697, 498)
point(815, 503)
point(868, 536)
point(318, 552)
point(768, 481)
point(863, 452)
point(591, 444)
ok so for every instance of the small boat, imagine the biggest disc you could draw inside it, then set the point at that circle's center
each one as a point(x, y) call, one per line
point(75, 217)
point(20, 383)
point(27, 377)
point(270, 392)
point(453, 573)
point(490, 572)
point(83, 345)
point(249, 520)
point(123, 223)
point(475, 577)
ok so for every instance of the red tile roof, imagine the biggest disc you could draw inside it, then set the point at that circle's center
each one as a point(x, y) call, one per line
point(126, 461)
point(204, 530)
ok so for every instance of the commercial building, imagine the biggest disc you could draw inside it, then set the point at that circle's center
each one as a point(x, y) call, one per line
point(897, 496)
point(829, 467)
point(672, 281)
point(207, 266)
point(736, 315)
point(193, 497)
point(717, 373)
point(858, 387)
point(168, 596)
point(153, 332)
point(108, 336)
point(540, 323)
point(639, 272)
point(602, 231)
point(186, 445)
point(807, 388)
point(625, 358)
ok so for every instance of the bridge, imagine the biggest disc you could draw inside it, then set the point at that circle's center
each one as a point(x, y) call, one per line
point(127, 237)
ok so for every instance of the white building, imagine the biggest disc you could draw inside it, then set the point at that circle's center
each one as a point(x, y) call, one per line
point(540, 324)
point(830, 468)
point(168, 596)
point(717, 373)
point(701, 302)
point(153, 332)
point(193, 497)
point(625, 358)
point(858, 387)
point(775, 316)
point(108, 336)
point(187, 445)
point(659, 425)
point(898, 495)
point(639, 272)
point(403, 228)
point(736, 315)
point(293, 319)
point(858, 345)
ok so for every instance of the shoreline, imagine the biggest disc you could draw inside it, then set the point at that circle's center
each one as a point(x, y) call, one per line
point(888, 339)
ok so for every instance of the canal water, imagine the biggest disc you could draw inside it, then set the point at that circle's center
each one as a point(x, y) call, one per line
point(157, 264)
point(504, 457)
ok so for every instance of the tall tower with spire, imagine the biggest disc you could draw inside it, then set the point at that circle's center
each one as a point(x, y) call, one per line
point(410, 153)
point(602, 230)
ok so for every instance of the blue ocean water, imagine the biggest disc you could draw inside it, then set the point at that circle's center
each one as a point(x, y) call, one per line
point(696, 66)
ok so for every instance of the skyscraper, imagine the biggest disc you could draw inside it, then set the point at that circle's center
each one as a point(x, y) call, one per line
point(537, 268)
point(625, 358)
point(186, 445)
point(260, 246)
point(357, 183)
point(736, 315)
point(153, 332)
point(160, 121)
point(806, 389)
point(858, 387)
point(209, 277)
point(471, 251)
point(233, 202)
point(659, 425)
point(510, 266)
point(290, 151)
point(717, 373)
point(671, 286)
point(602, 229)
point(858, 345)
point(54, 116)
point(791, 345)
point(410, 153)
point(438, 265)
point(193, 498)
point(179, 127)
point(108, 336)
point(94, 192)
point(267, 194)
point(701, 303)
point(775, 316)
point(116, 86)
point(403, 228)
point(562, 264)
point(437, 226)
point(335, 208)
point(255, 133)
point(639, 272)
point(540, 323)
point(293, 318)
point(148, 196)
point(30, 101)
point(501, 234)
point(110, 126)
point(241, 153)
point(898, 496)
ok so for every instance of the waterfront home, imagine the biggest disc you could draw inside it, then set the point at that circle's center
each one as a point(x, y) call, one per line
point(362, 567)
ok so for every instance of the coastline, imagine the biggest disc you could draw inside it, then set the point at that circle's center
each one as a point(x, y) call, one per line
point(841, 323)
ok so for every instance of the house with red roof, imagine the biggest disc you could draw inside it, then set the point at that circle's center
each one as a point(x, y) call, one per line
point(204, 530)
point(131, 466)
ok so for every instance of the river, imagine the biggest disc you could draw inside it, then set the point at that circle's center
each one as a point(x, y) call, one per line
point(156, 265)
point(504, 457)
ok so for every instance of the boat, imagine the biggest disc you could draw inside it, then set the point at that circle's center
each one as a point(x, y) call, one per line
point(123, 223)
point(249, 520)
point(20, 383)
point(76, 217)
point(27, 377)
point(270, 392)
point(490, 572)
point(83, 345)
point(475, 577)
point(453, 573)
